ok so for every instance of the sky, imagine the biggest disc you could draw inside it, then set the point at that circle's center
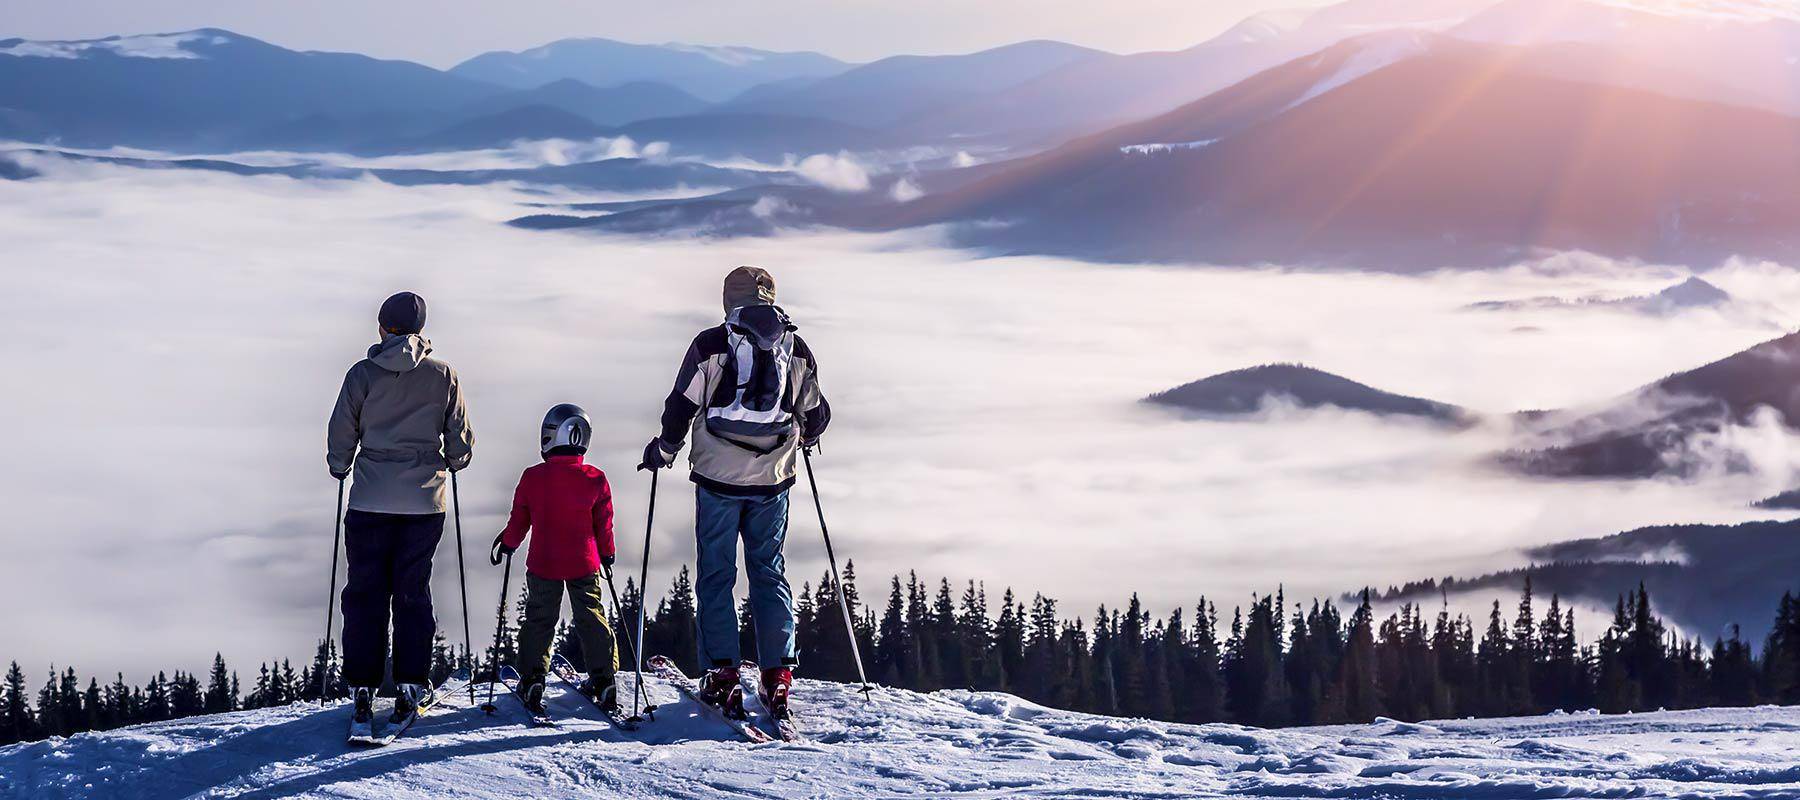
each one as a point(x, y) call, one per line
point(444, 32)
point(184, 335)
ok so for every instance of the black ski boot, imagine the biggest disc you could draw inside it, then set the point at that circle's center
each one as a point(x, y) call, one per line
point(533, 695)
point(720, 688)
point(604, 693)
point(406, 702)
point(362, 715)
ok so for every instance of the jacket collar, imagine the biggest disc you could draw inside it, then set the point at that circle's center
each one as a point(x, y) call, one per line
point(563, 459)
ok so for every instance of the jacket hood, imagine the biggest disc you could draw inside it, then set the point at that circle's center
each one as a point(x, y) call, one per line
point(764, 323)
point(748, 286)
point(400, 353)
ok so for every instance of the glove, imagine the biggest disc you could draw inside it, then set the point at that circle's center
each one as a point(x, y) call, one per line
point(656, 456)
point(608, 562)
point(809, 443)
point(336, 475)
point(500, 551)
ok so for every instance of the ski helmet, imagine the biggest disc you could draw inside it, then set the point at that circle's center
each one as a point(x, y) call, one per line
point(566, 426)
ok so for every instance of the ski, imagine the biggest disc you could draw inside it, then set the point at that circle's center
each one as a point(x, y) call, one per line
point(665, 668)
point(750, 678)
point(429, 701)
point(362, 734)
point(509, 678)
point(565, 672)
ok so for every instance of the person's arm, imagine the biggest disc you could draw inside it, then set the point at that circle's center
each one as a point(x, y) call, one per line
point(603, 523)
point(683, 401)
point(815, 410)
point(344, 431)
point(520, 522)
point(459, 438)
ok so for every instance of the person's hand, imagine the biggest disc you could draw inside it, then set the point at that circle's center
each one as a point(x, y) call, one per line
point(608, 562)
point(656, 456)
point(809, 443)
point(336, 475)
point(500, 551)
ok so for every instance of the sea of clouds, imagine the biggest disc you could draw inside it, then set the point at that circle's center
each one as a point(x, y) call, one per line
point(173, 342)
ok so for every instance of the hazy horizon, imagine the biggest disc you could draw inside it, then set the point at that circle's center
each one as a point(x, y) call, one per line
point(441, 35)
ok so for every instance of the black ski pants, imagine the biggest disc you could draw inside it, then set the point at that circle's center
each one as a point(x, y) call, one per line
point(390, 567)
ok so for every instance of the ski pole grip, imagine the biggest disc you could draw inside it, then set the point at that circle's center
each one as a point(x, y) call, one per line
point(498, 552)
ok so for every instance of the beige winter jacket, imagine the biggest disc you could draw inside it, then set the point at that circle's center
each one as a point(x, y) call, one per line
point(400, 421)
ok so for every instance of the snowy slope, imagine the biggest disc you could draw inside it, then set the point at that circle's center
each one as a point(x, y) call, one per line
point(948, 744)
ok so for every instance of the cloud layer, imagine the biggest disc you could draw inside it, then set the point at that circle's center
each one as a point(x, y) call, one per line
point(174, 341)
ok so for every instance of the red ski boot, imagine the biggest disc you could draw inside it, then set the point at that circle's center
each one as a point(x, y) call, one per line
point(775, 684)
point(719, 687)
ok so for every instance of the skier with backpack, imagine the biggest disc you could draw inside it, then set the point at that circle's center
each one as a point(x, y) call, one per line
point(401, 427)
point(566, 506)
point(748, 392)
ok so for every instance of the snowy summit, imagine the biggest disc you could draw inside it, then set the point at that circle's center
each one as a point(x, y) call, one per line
point(903, 744)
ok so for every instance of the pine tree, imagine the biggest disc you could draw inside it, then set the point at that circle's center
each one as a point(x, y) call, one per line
point(951, 663)
point(889, 655)
point(156, 699)
point(185, 696)
point(50, 707)
point(923, 658)
point(1009, 642)
point(1357, 678)
point(15, 708)
point(219, 697)
point(1040, 678)
point(1203, 693)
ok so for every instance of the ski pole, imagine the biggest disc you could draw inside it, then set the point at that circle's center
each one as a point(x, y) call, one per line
point(499, 630)
point(337, 538)
point(643, 577)
point(614, 589)
point(462, 576)
point(843, 601)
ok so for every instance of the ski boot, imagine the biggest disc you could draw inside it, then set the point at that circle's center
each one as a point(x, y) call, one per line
point(604, 693)
point(776, 681)
point(533, 695)
point(720, 688)
point(406, 702)
point(362, 717)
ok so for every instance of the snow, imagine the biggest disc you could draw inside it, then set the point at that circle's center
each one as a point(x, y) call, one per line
point(1164, 147)
point(1720, 10)
point(902, 744)
point(1376, 53)
point(163, 45)
point(729, 56)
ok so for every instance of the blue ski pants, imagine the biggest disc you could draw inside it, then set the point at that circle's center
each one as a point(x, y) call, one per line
point(761, 522)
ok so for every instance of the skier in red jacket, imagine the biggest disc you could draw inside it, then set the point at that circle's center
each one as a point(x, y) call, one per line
point(566, 505)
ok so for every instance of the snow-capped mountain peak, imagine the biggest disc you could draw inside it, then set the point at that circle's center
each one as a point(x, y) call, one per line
point(1740, 10)
point(153, 45)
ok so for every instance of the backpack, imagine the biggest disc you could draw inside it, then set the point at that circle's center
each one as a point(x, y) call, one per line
point(752, 403)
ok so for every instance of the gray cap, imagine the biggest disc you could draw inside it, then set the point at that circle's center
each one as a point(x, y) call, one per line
point(749, 286)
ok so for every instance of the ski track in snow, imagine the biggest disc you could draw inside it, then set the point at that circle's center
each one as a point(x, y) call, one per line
point(946, 744)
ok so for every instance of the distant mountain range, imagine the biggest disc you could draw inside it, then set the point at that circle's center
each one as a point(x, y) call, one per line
point(1396, 135)
point(1655, 429)
point(713, 74)
point(1658, 430)
point(1693, 293)
point(1247, 391)
point(607, 175)
point(1703, 578)
point(1453, 154)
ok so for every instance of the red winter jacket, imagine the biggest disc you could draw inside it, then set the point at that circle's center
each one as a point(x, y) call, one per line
point(568, 505)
